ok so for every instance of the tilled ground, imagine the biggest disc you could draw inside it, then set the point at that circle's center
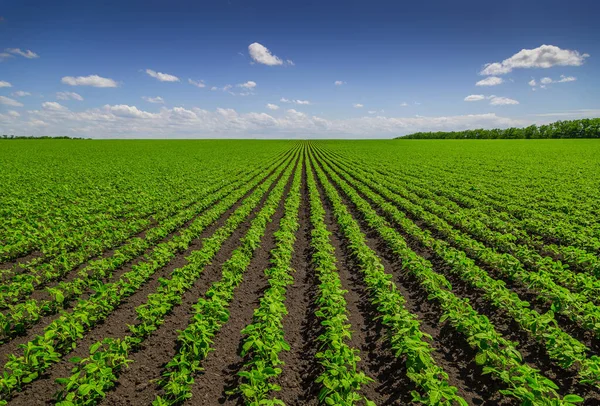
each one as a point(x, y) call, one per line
point(390, 385)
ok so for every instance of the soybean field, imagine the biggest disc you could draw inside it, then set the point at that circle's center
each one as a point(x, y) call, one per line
point(397, 272)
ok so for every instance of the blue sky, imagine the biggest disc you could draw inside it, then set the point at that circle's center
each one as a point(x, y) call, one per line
point(401, 67)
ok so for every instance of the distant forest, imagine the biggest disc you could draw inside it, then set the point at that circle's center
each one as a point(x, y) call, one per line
point(584, 128)
point(31, 137)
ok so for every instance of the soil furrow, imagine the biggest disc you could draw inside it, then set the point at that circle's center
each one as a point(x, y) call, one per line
point(300, 325)
point(390, 383)
point(221, 365)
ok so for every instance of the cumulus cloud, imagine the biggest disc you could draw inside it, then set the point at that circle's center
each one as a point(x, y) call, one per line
point(25, 54)
point(358, 105)
point(13, 113)
point(305, 102)
point(532, 83)
point(123, 110)
point(474, 97)
point(53, 106)
point(545, 56)
point(339, 83)
point(271, 106)
point(490, 81)
point(248, 85)
point(7, 101)
point(197, 83)
point(68, 96)
point(494, 100)
point(156, 99)
point(501, 101)
point(404, 104)
point(20, 93)
point(4, 83)
point(261, 54)
point(163, 77)
point(92, 80)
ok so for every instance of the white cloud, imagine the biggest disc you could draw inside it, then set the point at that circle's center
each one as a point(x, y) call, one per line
point(501, 101)
point(20, 93)
point(68, 96)
point(248, 85)
point(271, 106)
point(371, 111)
point(92, 80)
point(5, 84)
point(25, 54)
point(53, 106)
point(10, 102)
point(474, 97)
point(290, 62)
point(299, 102)
point(5, 55)
point(339, 82)
point(156, 99)
point(123, 110)
point(490, 81)
point(404, 104)
point(13, 113)
point(545, 56)
point(197, 83)
point(547, 80)
point(214, 88)
point(163, 77)
point(358, 105)
point(494, 100)
point(564, 79)
point(261, 54)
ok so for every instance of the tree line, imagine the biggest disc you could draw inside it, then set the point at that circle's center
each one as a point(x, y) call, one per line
point(31, 137)
point(584, 128)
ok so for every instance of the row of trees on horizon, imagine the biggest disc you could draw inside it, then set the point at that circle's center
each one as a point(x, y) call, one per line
point(584, 128)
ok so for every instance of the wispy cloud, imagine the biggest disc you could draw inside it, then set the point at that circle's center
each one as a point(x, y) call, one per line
point(156, 99)
point(163, 77)
point(29, 54)
point(197, 83)
point(68, 96)
point(92, 80)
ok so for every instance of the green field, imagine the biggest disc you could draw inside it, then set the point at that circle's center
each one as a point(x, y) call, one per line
point(433, 272)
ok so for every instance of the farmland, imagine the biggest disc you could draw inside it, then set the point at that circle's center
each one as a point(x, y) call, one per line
point(422, 272)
